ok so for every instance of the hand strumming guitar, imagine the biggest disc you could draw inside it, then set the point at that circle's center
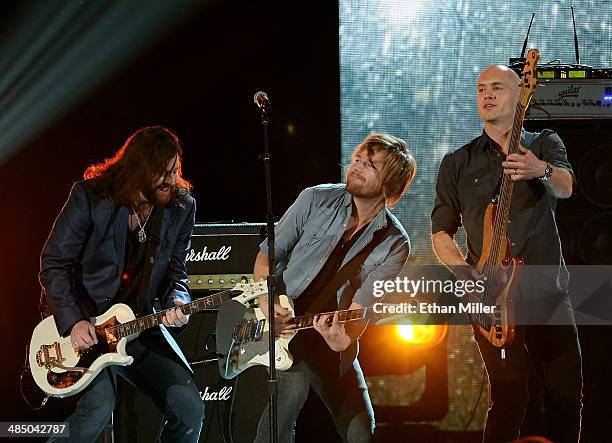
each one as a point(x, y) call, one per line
point(282, 317)
point(83, 335)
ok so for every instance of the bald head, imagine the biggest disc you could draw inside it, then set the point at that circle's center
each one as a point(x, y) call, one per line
point(497, 95)
point(501, 73)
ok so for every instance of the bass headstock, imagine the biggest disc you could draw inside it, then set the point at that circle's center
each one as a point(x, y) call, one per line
point(529, 77)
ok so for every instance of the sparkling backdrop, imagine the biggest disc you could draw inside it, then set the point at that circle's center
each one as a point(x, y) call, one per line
point(410, 68)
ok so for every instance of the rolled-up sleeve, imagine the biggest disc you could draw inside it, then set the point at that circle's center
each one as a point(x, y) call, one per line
point(445, 215)
point(290, 227)
point(553, 151)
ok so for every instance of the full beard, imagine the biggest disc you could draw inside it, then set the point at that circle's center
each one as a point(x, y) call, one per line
point(357, 189)
point(158, 197)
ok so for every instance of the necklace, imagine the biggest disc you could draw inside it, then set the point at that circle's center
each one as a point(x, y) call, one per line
point(142, 235)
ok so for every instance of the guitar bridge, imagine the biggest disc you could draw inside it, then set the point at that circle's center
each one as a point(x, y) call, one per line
point(49, 356)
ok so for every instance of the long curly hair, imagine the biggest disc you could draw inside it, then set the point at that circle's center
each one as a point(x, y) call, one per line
point(142, 158)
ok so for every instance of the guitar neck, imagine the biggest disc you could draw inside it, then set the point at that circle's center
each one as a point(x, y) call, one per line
point(527, 89)
point(306, 321)
point(507, 185)
point(148, 321)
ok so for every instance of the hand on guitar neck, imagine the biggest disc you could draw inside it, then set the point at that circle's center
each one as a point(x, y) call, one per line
point(175, 318)
point(524, 166)
point(83, 333)
point(334, 334)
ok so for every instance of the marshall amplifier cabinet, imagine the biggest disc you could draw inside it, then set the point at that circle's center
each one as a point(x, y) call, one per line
point(222, 255)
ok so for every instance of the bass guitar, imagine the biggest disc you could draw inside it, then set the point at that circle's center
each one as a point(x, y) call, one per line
point(501, 271)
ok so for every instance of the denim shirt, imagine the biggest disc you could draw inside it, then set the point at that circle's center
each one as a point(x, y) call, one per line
point(310, 229)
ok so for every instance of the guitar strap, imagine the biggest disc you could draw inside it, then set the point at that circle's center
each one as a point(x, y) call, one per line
point(349, 272)
point(152, 244)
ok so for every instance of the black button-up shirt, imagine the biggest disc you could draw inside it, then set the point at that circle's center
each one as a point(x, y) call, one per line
point(469, 177)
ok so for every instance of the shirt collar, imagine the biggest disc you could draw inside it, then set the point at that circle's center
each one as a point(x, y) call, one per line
point(484, 142)
point(380, 220)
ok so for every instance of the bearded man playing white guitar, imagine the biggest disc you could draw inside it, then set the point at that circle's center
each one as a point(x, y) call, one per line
point(96, 256)
point(332, 244)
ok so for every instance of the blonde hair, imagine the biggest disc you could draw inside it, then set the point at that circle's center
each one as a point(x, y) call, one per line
point(399, 166)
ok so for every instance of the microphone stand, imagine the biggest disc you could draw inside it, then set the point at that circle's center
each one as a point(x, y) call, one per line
point(272, 381)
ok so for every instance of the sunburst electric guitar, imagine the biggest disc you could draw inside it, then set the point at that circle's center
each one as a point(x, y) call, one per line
point(501, 271)
point(61, 371)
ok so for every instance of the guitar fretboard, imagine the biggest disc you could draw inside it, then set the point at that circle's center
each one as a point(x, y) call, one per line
point(306, 321)
point(148, 321)
point(528, 85)
point(252, 330)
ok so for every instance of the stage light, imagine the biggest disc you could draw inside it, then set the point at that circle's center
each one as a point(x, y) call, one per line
point(405, 332)
point(422, 335)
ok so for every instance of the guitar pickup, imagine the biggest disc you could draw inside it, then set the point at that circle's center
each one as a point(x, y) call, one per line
point(248, 331)
point(259, 330)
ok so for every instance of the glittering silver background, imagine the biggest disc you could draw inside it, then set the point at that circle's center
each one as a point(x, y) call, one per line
point(410, 68)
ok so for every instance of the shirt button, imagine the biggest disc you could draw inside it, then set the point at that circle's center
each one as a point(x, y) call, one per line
point(475, 180)
point(107, 299)
point(509, 221)
point(512, 244)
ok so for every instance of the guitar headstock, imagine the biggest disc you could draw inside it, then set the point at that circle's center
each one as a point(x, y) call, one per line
point(251, 290)
point(529, 77)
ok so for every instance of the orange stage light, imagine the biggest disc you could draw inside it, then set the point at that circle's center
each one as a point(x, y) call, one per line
point(422, 335)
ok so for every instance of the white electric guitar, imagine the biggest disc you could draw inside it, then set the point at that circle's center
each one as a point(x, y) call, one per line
point(61, 371)
point(246, 343)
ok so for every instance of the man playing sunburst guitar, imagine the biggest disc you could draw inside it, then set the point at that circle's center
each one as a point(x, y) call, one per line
point(95, 257)
point(536, 177)
point(331, 245)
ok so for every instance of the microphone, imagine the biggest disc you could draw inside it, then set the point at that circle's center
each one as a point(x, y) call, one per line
point(261, 100)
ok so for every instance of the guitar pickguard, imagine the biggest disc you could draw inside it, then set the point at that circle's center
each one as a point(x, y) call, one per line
point(66, 378)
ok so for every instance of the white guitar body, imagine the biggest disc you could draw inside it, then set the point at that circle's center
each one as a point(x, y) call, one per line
point(283, 358)
point(61, 371)
point(243, 356)
point(52, 348)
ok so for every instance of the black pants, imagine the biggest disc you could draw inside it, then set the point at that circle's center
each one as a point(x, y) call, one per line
point(541, 374)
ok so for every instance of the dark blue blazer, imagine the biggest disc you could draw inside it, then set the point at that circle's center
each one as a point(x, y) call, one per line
point(83, 257)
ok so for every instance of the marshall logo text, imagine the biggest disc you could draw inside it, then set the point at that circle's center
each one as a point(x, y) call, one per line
point(222, 395)
point(221, 255)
